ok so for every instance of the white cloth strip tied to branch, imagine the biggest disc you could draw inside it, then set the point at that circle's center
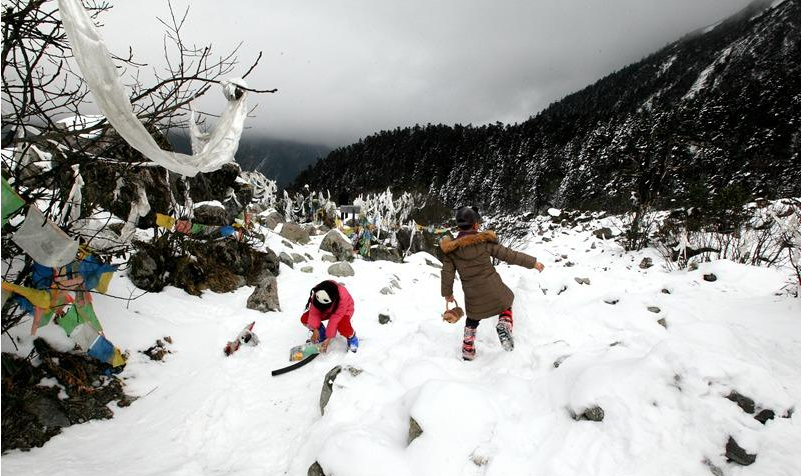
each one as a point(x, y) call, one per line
point(100, 74)
point(75, 198)
point(45, 242)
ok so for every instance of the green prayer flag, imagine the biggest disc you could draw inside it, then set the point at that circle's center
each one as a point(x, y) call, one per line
point(198, 228)
point(45, 319)
point(70, 320)
point(11, 201)
point(87, 313)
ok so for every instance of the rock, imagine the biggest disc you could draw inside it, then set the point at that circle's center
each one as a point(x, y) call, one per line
point(738, 455)
point(211, 215)
point(710, 277)
point(336, 243)
point(383, 253)
point(665, 291)
point(286, 259)
point(433, 264)
point(296, 233)
point(383, 318)
point(341, 269)
point(298, 258)
point(386, 290)
point(654, 309)
point(414, 430)
point(287, 244)
point(48, 410)
point(272, 220)
point(591, 414)
point(315, 470)
point(646, 263)
point(328, 387)
point(603, 233)
point(570, 264)
point(745, 403)
point(714, 469)
point(307, 269)
point(265, 296)
point(559, 361)
point(611, 301)
point(593, 246)
point(329, 258)
point(662, 322)
point(765, 415)
point(582, 280)
point(157, 351)
point(145, 273)
point(422, 240)
point(308, 256)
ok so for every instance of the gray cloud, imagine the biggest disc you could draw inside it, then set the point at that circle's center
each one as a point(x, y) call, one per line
point(345, 69)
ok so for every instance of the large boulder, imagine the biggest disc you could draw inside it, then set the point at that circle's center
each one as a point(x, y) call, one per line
point(415, 241)
point(336, 243)
point(271, 219)
point(265, 296)
point(383, 253)
point(295, 233)
point(211, 214)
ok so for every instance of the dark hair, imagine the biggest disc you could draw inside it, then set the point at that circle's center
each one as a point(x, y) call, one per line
point(466, 217)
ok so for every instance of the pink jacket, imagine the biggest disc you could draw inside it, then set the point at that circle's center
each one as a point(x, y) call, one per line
point(343, 311)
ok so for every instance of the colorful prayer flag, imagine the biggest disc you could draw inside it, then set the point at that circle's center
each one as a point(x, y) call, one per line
point(45, 242)
point(11, 201)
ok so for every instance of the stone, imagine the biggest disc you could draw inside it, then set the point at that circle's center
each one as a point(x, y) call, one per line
point(265, 296)
point(286, 259)
point(590, 414)
point(646, 263)
point(298, 258)
point(569, 264)
point(272, 220)
point(582, 280)
point(662, 322)
point(654, 309)
point(315, 470)
point(383, 318)
point(611, 301)
point(765, 415)
point(745, 403)
point(736, 454)
point(328, 387)
point(710, 277)
point(713, 468)
point(384, 253)
point(145, 273)
point(211, 215)
point(603, 233)
point(414, 430)
point(336, 243)
point(295, 233)
point(48, 411)
point(559, 361)
point(433, 264)
point(287, 244)
point(307, 269)
point(341, 269)
point(329, 258)
point(386, 290)
point(665, 291)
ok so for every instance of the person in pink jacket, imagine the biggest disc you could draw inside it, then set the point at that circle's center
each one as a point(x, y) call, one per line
point(330, 301)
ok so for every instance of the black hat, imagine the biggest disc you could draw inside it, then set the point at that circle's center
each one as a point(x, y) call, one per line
point(324, 295)
point(467, 216)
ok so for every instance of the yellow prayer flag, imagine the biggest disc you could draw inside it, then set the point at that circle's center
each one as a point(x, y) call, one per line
point(104, 281)
point(37, 297)
point(165, 221)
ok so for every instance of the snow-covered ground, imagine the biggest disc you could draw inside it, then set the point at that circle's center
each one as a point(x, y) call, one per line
point(662, 389)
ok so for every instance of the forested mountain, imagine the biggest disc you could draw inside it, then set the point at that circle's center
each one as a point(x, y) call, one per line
point(716, 112)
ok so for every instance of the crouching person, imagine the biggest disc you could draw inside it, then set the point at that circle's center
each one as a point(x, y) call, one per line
point(330, 301)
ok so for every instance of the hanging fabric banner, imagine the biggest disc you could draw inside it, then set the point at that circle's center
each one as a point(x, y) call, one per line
point(43, 241)
point(102, 77)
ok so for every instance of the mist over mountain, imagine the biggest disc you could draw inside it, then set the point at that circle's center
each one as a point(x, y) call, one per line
point(278, 159)
point(714, 113)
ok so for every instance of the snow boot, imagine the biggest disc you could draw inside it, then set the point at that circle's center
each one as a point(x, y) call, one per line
point(353, 343)
point(504, 329)
point(469, 343)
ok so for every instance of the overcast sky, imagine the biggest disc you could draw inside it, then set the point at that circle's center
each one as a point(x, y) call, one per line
point(346, 69)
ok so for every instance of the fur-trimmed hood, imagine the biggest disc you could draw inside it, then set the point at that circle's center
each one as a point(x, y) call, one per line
point(448, 245)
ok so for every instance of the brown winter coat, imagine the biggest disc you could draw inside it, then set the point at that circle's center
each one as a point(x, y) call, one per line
point(484, 292)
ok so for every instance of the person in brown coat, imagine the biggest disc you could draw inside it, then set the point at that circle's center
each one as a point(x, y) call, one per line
point(470, 254)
